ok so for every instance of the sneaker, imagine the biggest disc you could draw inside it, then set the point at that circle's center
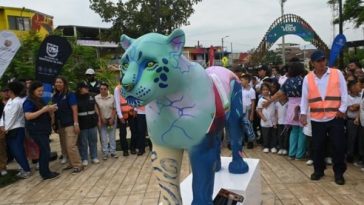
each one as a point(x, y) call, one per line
point(3, 172)
point(96, 161)
point(316, 176)
point(64, 160)
point(298, 159)
point(284, 152)
point(273, 150)
point(280, 152)
point(140, 153)
point(67, 168)
point(77, 170)
point(125, 153)
point(84, 163)
point(53, 175)
point(362, 169)
point(328, 160)
point(23, 174)
point(292, 158)
point(133, 151)
point(358, 164)
point(265, 150)
point(113, 155)
point(105, 157)
point(340, 180)
point(309, 162)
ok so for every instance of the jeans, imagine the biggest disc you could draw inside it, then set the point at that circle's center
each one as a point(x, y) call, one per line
point(15, 141)
point(269, 137)
point(322, 132)
point(353, 137)
point(141, 132)
point(44, 153)
point(3, 151)
point(297, 142)
point(131, 121)
point(88, 140)
point(108, 138)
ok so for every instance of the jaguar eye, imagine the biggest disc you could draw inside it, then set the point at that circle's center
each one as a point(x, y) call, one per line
point(151, 64)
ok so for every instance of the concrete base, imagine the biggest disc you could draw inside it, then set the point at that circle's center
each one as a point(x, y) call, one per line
point(248, 185)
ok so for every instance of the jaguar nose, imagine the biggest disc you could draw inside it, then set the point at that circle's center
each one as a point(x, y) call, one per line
point(128, 87)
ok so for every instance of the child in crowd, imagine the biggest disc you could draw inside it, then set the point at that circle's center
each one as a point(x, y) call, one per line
point(249, 97)
point(354, 99)
point(281, 109)
point(360, 122)
point(268, 120)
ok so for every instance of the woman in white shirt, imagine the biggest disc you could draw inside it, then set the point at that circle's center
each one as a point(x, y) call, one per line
point(13, 124)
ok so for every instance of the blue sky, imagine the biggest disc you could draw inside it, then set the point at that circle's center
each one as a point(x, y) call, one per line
point(244, 21)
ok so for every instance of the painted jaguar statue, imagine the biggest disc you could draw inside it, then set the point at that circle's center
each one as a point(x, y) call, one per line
point(187, 108)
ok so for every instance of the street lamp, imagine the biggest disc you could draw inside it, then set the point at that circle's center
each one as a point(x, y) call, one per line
point(222, 46)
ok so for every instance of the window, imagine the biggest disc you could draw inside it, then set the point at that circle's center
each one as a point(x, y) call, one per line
point(19, 23)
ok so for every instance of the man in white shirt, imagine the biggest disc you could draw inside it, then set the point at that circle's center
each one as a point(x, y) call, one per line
point(324, 90)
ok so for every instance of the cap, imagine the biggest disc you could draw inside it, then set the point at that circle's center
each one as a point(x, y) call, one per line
point(82, 85)
point(90, 71)
point(317, 55)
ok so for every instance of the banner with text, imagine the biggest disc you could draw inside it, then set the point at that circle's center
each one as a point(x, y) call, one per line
point(9, 45)
point(53, 54)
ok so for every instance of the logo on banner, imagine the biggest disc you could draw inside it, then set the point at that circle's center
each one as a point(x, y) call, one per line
point(52, 50)
point(289, 28)
point(7, 43)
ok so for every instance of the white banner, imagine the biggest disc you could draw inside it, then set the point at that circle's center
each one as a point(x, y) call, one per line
point(9, 45)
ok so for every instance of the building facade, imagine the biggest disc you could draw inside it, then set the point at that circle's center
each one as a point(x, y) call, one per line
point(22, 20)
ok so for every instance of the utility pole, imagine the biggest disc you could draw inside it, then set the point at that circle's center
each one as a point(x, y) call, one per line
point(158, 16)
point(283, 39)
point(341, 61)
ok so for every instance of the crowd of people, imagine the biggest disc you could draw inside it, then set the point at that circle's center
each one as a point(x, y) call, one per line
point(316, 115)
point(27, 122)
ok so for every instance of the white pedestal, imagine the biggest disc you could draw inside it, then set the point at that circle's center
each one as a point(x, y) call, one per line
point(247, 184)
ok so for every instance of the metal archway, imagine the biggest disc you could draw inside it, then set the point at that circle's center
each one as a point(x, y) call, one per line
point(307, 34)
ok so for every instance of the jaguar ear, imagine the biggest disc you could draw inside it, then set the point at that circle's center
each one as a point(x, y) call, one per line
point(125, 41)
point(177, 40)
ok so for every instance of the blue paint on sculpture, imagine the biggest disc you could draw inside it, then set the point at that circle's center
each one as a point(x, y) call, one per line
point(186, 108)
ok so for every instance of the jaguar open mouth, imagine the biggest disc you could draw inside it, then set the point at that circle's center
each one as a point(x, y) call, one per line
point(133, 101)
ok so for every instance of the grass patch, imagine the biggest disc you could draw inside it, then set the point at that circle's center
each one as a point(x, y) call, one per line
point(9, 178)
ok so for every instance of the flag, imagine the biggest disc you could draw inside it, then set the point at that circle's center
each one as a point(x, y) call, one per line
point(9, 45)
point(337, 45)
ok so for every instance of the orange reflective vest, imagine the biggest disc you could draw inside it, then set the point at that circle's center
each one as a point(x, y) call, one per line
point(126, 109)
point(328, 107)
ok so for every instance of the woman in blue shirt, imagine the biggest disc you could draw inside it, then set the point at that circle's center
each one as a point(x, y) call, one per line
point(38, 125)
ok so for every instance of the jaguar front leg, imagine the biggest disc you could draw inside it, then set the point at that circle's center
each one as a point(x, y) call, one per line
point(167, 167)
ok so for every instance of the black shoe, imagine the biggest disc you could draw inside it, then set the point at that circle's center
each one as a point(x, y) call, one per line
point(316, 176)
point(350, 159)
point(340, 180)
point(229, 146)
point(53, 175)
point(125, 153)
point(77, 170)
point(250, 145)
point(140, 153)
point(133, 152)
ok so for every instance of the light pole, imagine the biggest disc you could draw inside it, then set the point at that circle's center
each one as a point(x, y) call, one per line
point(283, 40)
point(222, 47)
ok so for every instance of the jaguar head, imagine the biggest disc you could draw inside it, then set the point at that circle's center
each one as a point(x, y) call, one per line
point(149, 66)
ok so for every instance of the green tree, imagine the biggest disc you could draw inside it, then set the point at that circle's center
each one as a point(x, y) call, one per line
point(272, 58)
point(23, 64)
point(138, 17)
point(353, 11)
